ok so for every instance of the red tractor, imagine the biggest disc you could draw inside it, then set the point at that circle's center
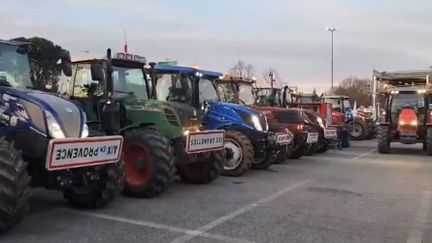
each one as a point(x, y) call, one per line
point(403, 102)
point(321, 113)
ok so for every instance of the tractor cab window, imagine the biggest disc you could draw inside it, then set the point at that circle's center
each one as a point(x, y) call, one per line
point(207, 91)
point(14, 67)
point(347, 104)
point(174, 87)
point(336, 103)
point(407, 99)
point(226, 92)
point(246, 94)
point(130, 80)
point(84, 86)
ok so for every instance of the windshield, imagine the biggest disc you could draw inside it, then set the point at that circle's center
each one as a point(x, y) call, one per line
point(14, 68)
point(246, 94)
point(130, 80)
point(174, 87)
point(207, 91)
point(226, 92)
point(347, 103)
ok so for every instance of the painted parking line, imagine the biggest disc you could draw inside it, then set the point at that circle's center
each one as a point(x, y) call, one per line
point(143, 223)
point(420, 219)
point(364, 154)
point(240, 211)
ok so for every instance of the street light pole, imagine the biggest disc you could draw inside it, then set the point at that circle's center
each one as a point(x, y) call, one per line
point(332, 30)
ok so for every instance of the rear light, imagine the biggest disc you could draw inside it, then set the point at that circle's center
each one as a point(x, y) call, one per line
point(300, 127)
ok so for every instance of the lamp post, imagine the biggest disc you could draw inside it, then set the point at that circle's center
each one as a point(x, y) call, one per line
point(332, 30)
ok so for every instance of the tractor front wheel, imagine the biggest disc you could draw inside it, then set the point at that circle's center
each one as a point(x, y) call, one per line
point(99, 193)
point(429, 141)
point(239, 154)
point(203, 171)
point(383, 140)
point(149, 162)
point(14, 185)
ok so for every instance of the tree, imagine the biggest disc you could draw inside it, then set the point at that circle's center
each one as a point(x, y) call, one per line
point(46, 54)
point(268, 72)
point(242, 70)
point(357, 89)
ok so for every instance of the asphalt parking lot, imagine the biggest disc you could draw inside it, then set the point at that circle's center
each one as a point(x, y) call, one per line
point(353, 195)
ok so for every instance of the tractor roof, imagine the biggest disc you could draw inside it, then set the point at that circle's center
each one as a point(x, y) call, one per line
point(14, 43)
point(336, 97)
point(403, 76)
point(189, 70)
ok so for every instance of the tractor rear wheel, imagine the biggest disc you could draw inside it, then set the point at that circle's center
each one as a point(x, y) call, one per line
point(203, 171)
point(359, 131)
point(99, 193)
point(429, 141)
point(383, 140)
point(149, 162)
point(14, 185)
point(239, 154)
point(299, 152)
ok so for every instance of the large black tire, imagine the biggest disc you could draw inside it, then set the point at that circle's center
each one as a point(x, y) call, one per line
point(311, 149)
point(264, 164)
point(14, 185)
point(150, 168)
point(429, 141)
point(285, 153)
point(299, 152)
point(101, 192)
point(244, 144)
point(323, 148)
point(359, 131)
point(383, 140)
point(203, 171)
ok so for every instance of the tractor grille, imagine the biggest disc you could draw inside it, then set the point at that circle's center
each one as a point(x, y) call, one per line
point(171, 117)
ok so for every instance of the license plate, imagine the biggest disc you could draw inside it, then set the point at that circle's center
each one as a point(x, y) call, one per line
point(330, 133)
point(67, 153)
point(283, 138)
point(312, 137)
point(205, 141)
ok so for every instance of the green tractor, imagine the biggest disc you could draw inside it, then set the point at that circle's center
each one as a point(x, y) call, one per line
point(116, 91)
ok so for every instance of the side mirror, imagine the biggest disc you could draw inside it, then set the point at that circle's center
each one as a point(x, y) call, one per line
point(66, 63)
point(97, 72)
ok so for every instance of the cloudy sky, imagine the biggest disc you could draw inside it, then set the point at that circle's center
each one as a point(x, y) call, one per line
point(285, 34)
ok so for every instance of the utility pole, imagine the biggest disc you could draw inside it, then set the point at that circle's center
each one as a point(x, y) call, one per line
point(332, 30)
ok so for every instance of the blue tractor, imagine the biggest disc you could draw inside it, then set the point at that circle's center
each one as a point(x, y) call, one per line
point(247, 140)
point(44, 143)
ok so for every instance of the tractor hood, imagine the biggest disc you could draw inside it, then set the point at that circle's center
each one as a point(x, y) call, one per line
point(236, 114)
point(38, 104)
point(188, 115)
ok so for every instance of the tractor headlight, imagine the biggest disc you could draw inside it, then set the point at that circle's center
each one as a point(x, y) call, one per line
point(414, 123)
point(257, 123)
point(85, 131)
point(54, 127)
point(320, 122)
point(401, 123)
